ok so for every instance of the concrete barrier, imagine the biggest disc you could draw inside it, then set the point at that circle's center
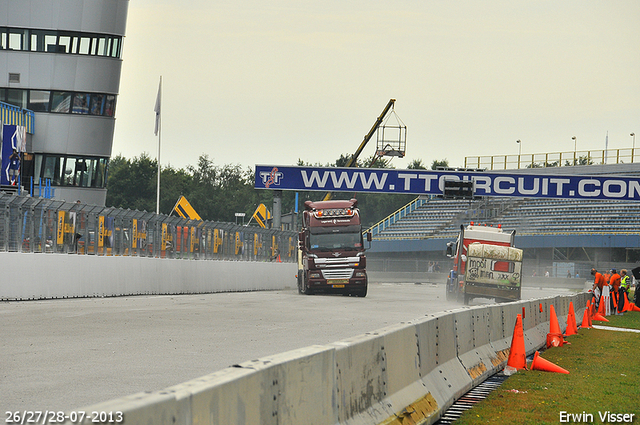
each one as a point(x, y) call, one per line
point(407, 373)
point(42, 276)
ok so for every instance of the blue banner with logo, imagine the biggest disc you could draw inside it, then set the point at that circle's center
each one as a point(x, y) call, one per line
point(424, 182)
point(12, 141)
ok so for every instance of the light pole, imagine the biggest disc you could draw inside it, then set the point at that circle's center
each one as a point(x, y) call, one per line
point(575, 150)
point(519, 142)
point(633, 145)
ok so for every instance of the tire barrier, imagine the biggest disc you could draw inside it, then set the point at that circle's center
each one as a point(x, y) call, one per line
point(409, 372)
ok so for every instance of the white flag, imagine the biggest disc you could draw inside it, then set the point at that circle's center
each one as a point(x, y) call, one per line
point(157, 108)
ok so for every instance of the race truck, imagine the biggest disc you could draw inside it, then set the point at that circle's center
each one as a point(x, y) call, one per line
point(331, 250)
point(485, 265)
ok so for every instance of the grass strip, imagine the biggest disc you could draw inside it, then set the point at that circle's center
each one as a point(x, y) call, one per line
point(604, 377)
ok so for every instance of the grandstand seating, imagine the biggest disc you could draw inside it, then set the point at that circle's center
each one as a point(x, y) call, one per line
point(438, 218)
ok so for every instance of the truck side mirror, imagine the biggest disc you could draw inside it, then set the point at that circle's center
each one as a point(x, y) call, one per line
point(301, 240)
point(451, 247)
point(369, 237)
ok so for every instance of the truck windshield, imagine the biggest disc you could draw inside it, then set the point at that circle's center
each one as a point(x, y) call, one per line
point(332, 241)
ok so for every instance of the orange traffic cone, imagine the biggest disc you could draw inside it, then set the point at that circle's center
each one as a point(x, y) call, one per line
point(541, 311)
point(600, 318)
point(586, 323)
point(539, 363)
point(572, 326)
point(554, 337)
point(517, 352)
point(599, 315)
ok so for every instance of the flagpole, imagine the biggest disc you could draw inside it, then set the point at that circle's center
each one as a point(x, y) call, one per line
point(159, 133)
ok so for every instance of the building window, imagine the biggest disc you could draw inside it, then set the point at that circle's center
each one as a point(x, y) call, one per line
point(61, 102)
point(69, 170)
point(18, 39)
point(97, 101)
point(67, 42)
point(39, 100)
point(17, 97)
point(64, 44)
point(81, 103)
point(85, 44)
point(109, 105)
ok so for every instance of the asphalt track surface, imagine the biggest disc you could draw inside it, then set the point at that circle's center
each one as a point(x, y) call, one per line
point(68, 354)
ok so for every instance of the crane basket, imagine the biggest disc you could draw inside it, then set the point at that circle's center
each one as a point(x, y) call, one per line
point(392, 136)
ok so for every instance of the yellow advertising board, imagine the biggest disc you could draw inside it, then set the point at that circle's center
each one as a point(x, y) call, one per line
point(134, 236)
point(217, 240)
point(238, 244)
point(61, 229)
point(164, 236)
point(101, 231)
point(256, 244)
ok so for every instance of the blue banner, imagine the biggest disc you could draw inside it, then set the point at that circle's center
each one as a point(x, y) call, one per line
point(423, 182)
point(11, 140)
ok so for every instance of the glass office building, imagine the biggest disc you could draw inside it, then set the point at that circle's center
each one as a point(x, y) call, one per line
point(62, 60)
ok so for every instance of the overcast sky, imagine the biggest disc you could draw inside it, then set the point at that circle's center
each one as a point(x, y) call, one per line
point(255, 82)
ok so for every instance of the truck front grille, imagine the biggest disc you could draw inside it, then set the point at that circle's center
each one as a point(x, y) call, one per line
point(337, 273)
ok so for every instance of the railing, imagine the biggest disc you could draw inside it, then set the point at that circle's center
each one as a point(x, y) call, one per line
point(32, 225)
point(392, 218)
point(555, 159)
point(13, 115)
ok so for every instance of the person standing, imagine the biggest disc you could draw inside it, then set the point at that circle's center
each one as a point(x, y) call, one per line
point(614, 284)
point(598, 284)
point(625, 283)
point(14, 168)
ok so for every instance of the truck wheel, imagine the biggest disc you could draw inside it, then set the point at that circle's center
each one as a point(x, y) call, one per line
point(300, 274)
point(305, 288)
point(362, 293)
point(449, 293)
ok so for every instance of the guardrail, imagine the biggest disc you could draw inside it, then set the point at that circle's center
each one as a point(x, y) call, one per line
point(407, 373)
point(29, 224)
point(553, 159)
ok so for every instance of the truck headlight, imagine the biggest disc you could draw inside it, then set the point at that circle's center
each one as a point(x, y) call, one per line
point(360, 273)
point(314, 275)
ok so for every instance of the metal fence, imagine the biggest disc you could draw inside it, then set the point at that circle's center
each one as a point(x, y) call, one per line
point(554, 159)
point(29, 224)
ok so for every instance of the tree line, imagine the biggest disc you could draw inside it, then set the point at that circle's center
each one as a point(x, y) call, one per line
point(217, 192)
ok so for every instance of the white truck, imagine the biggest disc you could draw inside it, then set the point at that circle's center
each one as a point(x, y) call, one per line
point(486, 265)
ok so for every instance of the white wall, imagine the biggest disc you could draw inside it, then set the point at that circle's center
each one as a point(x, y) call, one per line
point(43, 276)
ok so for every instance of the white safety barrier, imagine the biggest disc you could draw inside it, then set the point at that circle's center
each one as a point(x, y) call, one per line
point(411, 370)
point(41, 276)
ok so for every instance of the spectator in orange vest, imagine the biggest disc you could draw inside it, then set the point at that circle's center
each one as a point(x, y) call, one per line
point(598, 284)
point(615, 292)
